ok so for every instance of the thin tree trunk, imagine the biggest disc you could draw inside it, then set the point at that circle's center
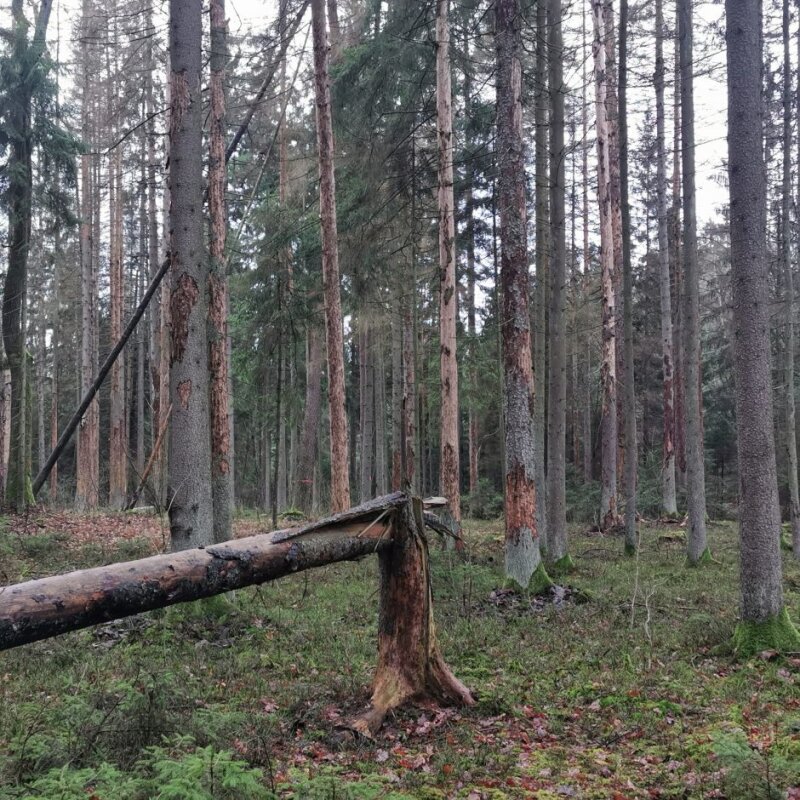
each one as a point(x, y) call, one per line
point(587, 264)
point(557, 546)
point(380, 415)
point(469, 210)
point(367, 410)
point(219, 398)
point(786, 230)
point(340, 478)
point(397, 388)
point(765, 623)
point(190, 496)
point(449, 467)
point(668, 498)
point(542, 273)
point(523, 565)
point(87, 468)
point(608, 380)
point(696, 542)
point(141, 456)
point(629, 398)
point(313, 406)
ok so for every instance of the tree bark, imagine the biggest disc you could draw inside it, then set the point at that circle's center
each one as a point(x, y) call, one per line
point(449, 467)
point(696, 541)
point(88, 465)
point(309, 441)
point(367, 408)
point(48, 607)
point(219, 399)
point(608, 378)
point(588, 450)
point(410, 664)
point(542, 256)
point(190, 506)
point(340, 478)
point(522, 557)
point(629, 397)
point(786, 248)
point(765, 623)
point(668, 497)
point(557, 546)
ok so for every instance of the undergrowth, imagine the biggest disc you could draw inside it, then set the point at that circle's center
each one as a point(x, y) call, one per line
point(635, 692)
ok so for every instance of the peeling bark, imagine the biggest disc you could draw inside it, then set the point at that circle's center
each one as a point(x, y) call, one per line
point(522, 556)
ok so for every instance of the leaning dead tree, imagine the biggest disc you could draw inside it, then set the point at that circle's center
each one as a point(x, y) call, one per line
point(410, 665)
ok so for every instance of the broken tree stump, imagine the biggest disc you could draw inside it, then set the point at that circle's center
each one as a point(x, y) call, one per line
point(410, 664)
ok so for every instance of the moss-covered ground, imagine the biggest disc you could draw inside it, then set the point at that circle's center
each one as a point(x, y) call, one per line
point(629, 688)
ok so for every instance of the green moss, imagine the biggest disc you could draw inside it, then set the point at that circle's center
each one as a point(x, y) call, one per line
point(705, 558)
point(540, 581)
point(778, 634)
point(563, 566)
point(630, 549)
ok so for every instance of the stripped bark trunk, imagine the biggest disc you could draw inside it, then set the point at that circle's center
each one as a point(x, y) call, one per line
point(218, 360)
point(522, 556)
point(340, 477)
point(696, 541)
point(449, 467)
point(608, 382)
point(410, 664)
point(557, 546)
point(190, 506)
point(668, 498)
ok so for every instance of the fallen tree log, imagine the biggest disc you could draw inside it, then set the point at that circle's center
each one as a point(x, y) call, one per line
point(47, 607)
point(410, 665)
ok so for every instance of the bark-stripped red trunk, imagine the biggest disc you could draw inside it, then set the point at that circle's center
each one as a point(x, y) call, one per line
point(340, 475)
point(522, 556)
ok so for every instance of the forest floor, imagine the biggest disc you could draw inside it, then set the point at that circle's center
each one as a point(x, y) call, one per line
point(626, 689)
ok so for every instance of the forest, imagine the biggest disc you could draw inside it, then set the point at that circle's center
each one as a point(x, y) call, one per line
point(497, 296)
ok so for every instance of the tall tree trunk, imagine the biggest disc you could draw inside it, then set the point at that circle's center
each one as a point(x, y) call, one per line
point(786, 231)
point(283, 465)
point(340, 477)
point(696, 542)
point(542, 215)
point(469, 210)
point(220, 401)
point(668, 498)
point(367, 408)
point(449, 467)
point(629, 397)
point(557, 398)
point(313, 407)
point(190, 507)
point(523, 565)
point(141, 455)
point(588, 450)
point(677, 273)
point(608, 367)
point(118, 451)
point(380, 414)
point(397, 389)
point(88, 466)
point(765, 623)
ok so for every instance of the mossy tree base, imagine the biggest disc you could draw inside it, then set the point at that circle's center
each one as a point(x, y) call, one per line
point(630, 550)
point(778, 634)
point(410, 665)
point(562, 566)
point(540, 582)
point(705, 558)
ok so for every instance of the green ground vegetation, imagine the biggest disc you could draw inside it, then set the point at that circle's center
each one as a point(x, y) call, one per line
point(629, 688)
